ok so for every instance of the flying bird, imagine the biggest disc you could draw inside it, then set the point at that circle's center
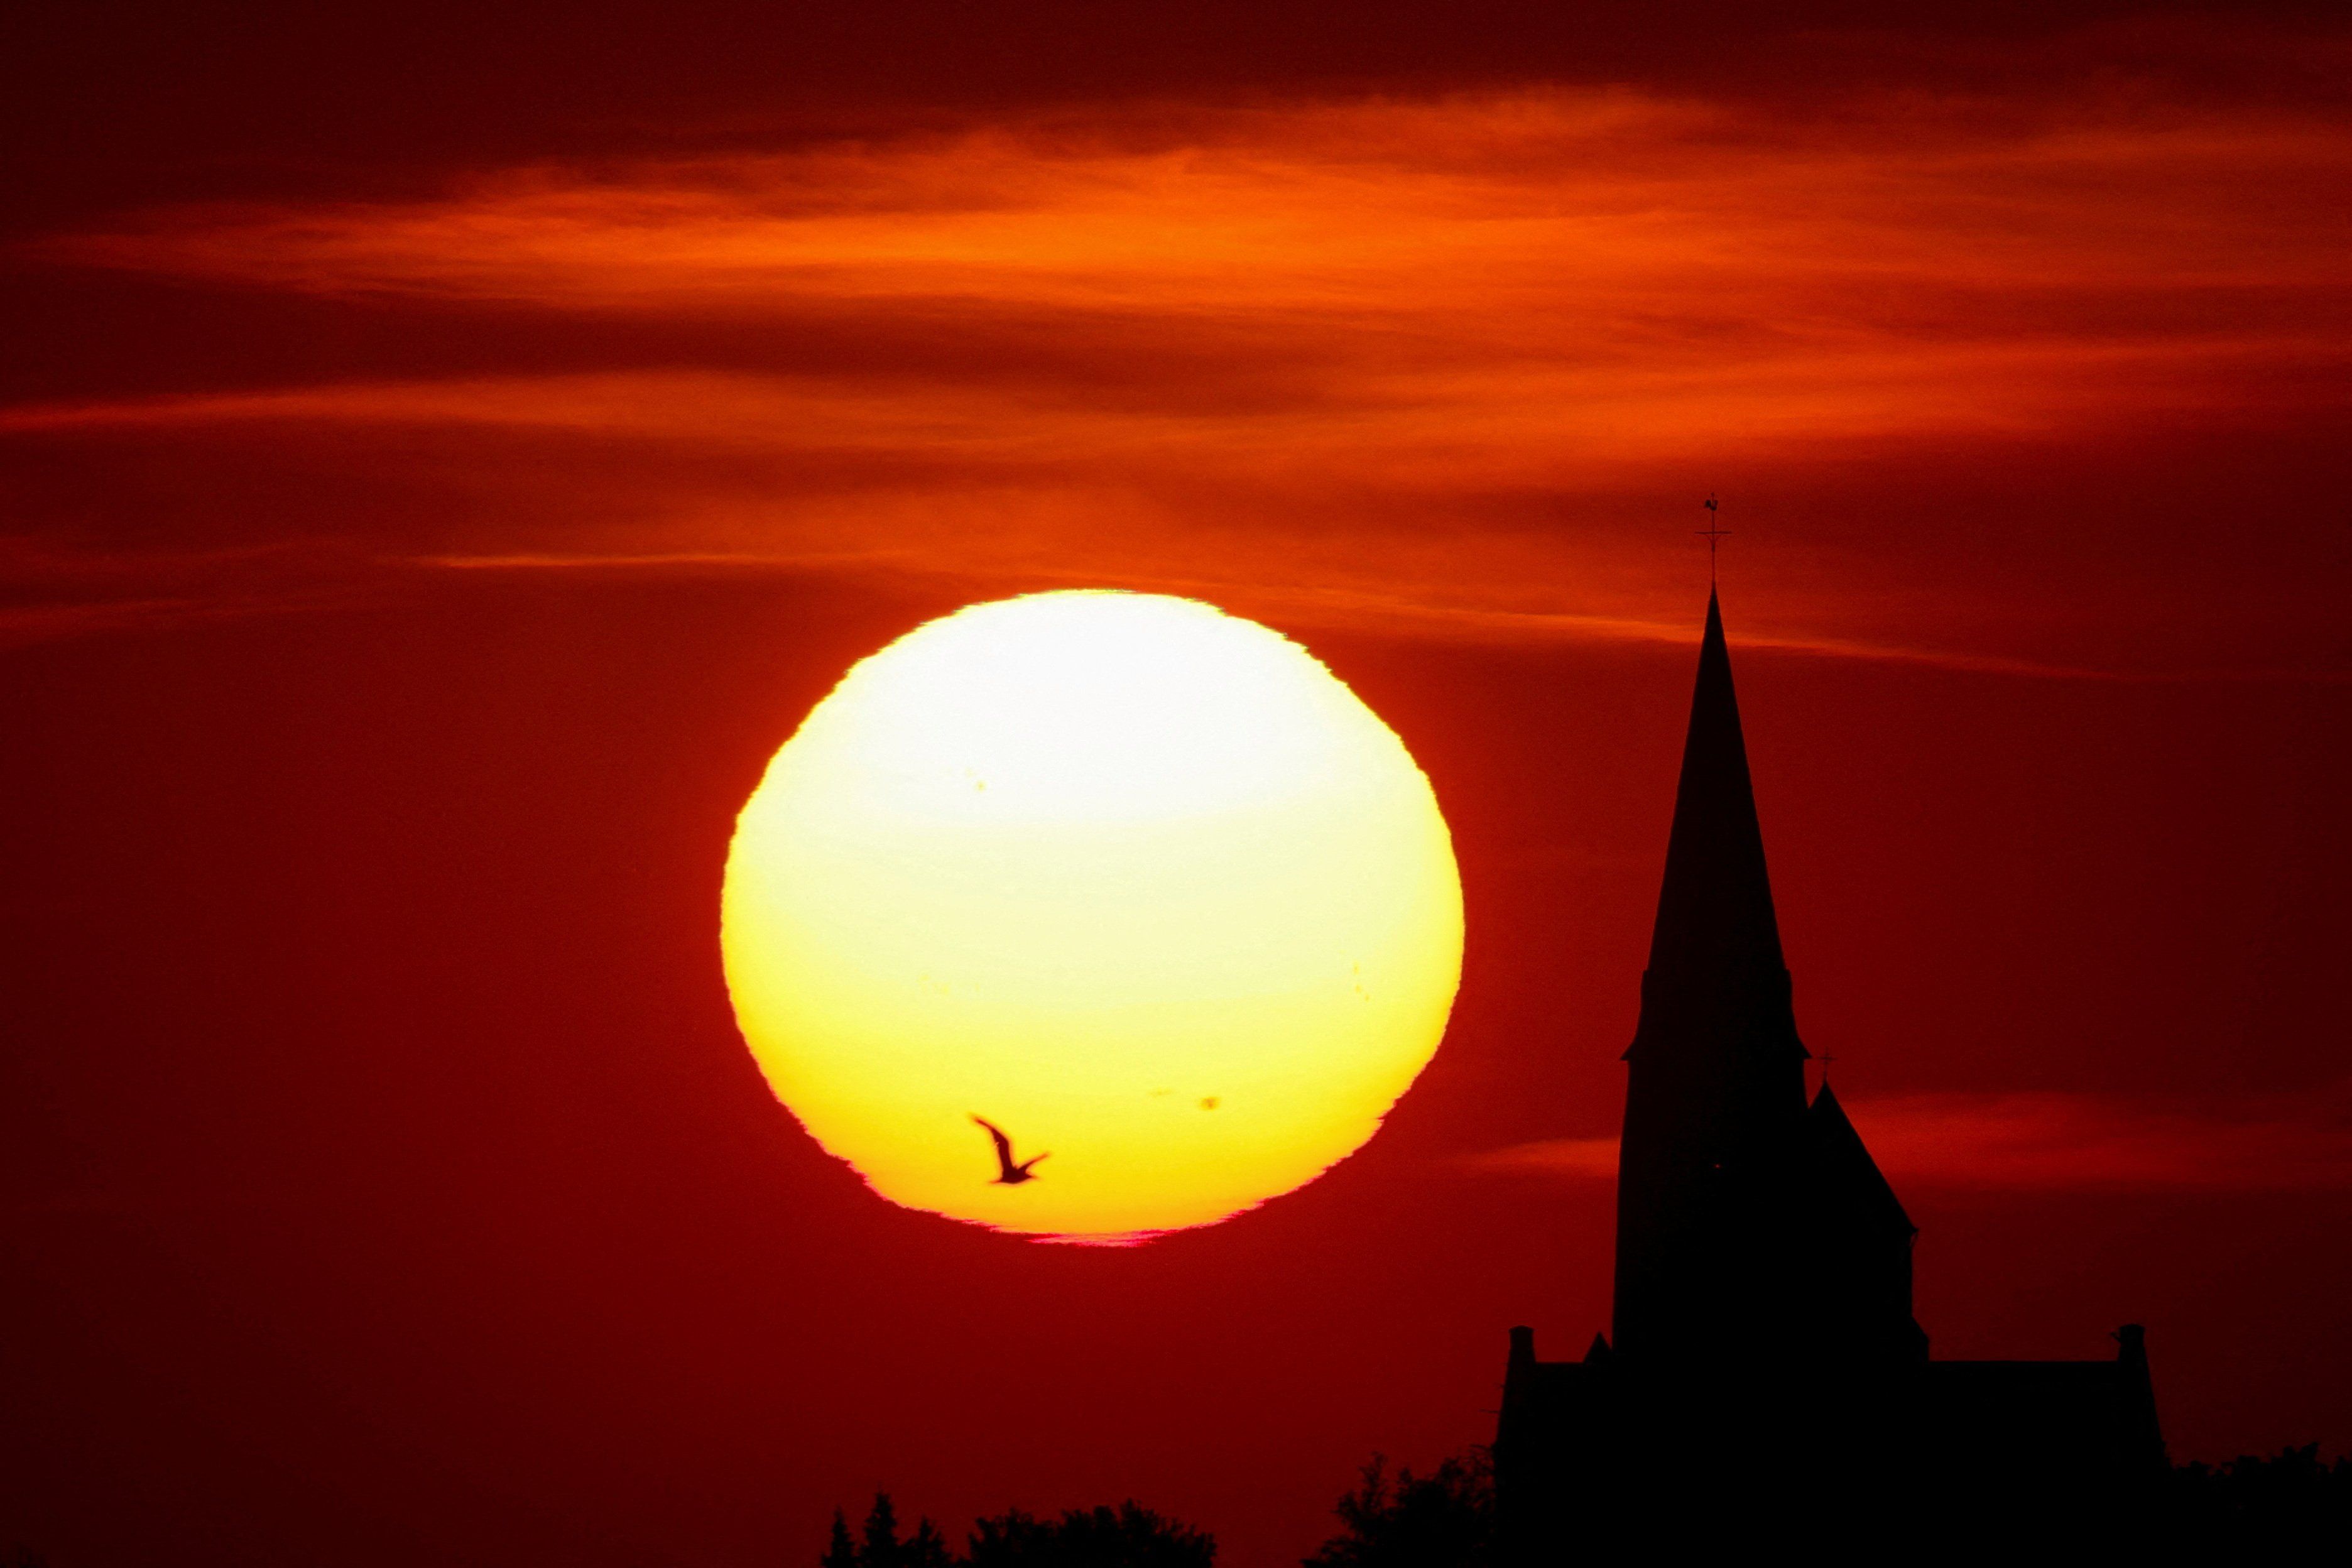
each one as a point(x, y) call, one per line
point(1009, 1175)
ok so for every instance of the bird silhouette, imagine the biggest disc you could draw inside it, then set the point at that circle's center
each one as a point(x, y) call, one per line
point(1009, 1175)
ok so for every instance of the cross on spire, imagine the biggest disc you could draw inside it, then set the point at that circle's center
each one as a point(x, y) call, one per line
point(1714, 533)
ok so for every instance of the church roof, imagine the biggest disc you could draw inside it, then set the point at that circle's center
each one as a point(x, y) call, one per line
point(1847, 1185)
point(1715, 910)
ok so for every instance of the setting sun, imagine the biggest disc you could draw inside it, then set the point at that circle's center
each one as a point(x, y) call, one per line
point(1140, 883)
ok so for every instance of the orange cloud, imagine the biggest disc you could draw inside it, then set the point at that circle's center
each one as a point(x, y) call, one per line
point(1482, 202)
point(1526, 281)
point(1407, 352)
point(2057, 1142)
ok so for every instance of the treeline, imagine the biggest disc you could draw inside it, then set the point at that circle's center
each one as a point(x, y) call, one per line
point(1128, 1536)
point(2258, 1508)
point(2290, 1507)
point(1442, 1520)
point(2287, 1507)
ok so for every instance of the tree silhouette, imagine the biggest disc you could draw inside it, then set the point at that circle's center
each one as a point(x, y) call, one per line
point(841, 1551)
point(2290, 1505)
point(926, 1548)
point(1442, 1520)
point(880, 1547)
point(878, 1544)
point(1128, 1536)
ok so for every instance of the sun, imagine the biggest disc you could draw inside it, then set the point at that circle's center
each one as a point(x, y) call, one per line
point(1140, 883)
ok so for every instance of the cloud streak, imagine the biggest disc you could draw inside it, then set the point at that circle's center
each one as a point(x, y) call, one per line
point(1439, 353)
point(1495, 275)
point(2056, 1143)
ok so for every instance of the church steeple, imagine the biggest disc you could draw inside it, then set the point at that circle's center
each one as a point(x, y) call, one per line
point(1763, 1332)
point(1715, 910)
point(1716, 1091)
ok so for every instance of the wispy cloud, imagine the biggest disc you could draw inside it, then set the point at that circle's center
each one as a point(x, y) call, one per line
point(1398, 611)
point(2057, 1142)
point(1416, 359)
point(47, 593)
point(1536, 198)
point(1522, 281)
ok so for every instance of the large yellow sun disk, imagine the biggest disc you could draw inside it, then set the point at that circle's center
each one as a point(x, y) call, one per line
point(1143, 883)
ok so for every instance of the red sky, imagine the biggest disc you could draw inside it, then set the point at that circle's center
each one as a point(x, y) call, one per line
point(443, 455)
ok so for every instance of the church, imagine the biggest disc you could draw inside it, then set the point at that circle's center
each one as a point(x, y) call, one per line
point(1764, 1379)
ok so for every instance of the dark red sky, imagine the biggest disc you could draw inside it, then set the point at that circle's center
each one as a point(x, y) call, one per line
point(443, 455)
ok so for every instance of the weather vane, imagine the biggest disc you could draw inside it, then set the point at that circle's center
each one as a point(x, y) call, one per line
point(1714, 533)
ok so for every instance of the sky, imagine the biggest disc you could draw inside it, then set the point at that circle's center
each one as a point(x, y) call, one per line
point(444, 451)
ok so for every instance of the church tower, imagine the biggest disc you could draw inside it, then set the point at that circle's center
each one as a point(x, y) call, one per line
point(1714, 1094)
point(1763, 1319)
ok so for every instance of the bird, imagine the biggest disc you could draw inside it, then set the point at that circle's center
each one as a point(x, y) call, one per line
point(1009, 1175)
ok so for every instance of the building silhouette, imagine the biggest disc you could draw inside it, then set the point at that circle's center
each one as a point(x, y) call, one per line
point(1764, 1378)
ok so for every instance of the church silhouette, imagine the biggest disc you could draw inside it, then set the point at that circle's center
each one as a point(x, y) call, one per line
point(1765, 1381)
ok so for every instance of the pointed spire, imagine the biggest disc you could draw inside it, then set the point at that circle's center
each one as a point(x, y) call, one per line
point(1714, 910)
point(1715, 1091)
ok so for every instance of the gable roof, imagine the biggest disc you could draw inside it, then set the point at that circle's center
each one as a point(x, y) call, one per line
point(1845, 1184)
